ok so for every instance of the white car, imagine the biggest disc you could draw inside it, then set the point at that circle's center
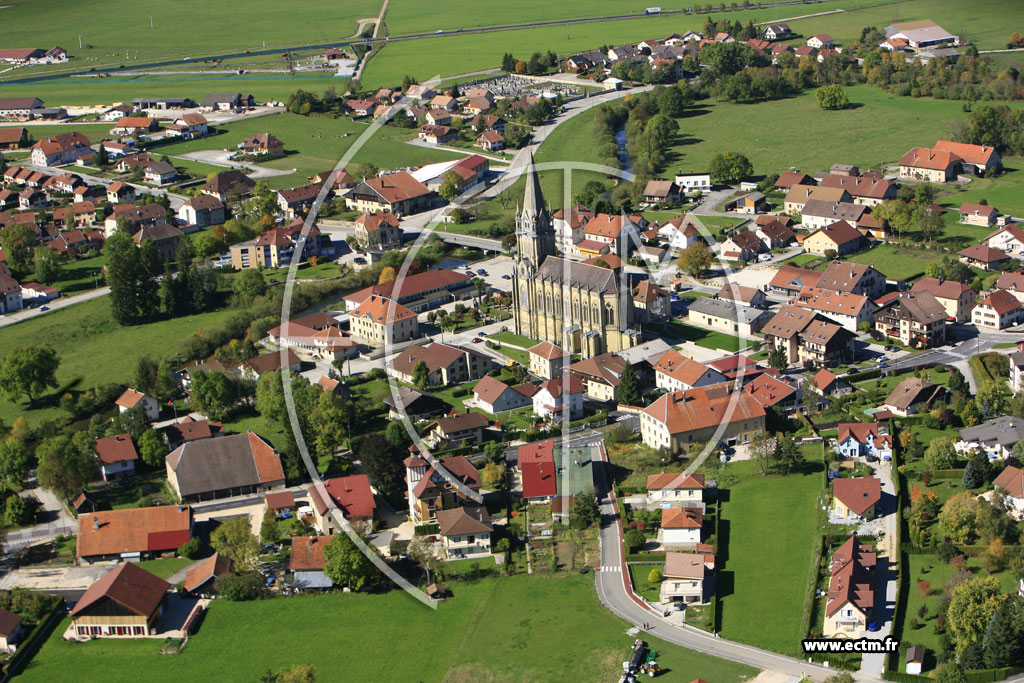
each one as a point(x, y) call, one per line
point(764, 257)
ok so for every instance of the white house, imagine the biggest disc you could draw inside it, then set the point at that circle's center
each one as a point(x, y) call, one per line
point(1011, 481)
point(131, 398)
point(116, 455)
point(862, 439)
point(466, 531)
point(554, 394)
point(494, 396)
point(680, 233)
point(693, 182)
point(547, 360)
point(671, 489)
point(1017, 368)
point(681, 526)
point(676, 372)
point(996, 438)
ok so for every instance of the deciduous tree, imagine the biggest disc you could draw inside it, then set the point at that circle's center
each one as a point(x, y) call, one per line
point(30, 370)
point(345, 564)
point(234, 538)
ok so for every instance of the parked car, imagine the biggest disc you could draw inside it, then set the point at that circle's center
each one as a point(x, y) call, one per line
point(506, 277)
point(44, 308)
point(477, 340)
point(764, 257)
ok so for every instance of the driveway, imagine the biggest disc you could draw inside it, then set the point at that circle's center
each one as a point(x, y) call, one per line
point(219, 157)
point(885, 570)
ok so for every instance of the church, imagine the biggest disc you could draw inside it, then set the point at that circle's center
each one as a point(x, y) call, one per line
point(584, 309)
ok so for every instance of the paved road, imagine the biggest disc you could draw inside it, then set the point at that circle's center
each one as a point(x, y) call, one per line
point(55, 305)
point(611, 590)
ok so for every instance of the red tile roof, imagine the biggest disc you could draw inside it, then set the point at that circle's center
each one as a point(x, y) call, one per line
point(129, 586)
point(351, 494)
point(857, 493)
point(152, 529)
point(117, 448)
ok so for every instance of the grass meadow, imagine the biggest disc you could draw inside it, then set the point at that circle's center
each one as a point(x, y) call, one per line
point(762, 585)
point(541, 627)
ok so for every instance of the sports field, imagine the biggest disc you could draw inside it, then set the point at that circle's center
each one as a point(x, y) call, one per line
point(520, 628)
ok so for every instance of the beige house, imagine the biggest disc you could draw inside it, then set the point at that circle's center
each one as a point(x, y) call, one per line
point(680, 418)
point(380, 322)
point(351, 495)
point(688, 578)
point(851, 594)
point(547, 360)
point(957, 298)
point(933, 165)
point(978, 214)
point(671, 489)
point(466, 532)
point(446, 364)
point(833, 234)
point(856, 497)
point(125, 602)
point(378, 230)
point(799, 195)
point(600, 375)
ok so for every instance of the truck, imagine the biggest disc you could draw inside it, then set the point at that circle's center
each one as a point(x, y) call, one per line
point(652, 10)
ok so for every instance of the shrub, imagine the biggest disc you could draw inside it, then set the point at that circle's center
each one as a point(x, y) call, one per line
point(191, 549)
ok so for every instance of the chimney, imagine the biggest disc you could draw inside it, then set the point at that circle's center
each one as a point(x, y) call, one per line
point(95, 523)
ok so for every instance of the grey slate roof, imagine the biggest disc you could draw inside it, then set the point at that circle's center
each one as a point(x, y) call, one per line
point(1003, 431)
point(572, 273)
point(728, 310)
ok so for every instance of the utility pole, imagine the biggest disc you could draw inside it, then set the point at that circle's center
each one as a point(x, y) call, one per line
point(151, 21)
point(79, 42)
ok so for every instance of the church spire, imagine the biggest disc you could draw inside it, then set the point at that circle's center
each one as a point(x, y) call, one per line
point(533, 200)
point(535, 233)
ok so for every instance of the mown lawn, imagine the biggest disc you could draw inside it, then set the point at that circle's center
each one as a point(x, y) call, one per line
point(520, 340)
point(517, 628)
point(894, 262)
point(707, 338)
point(84, 336)
point(166, 566)
point(314, 145)
point(768, 529)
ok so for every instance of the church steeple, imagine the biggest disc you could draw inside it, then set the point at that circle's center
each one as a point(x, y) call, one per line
point(535, 234)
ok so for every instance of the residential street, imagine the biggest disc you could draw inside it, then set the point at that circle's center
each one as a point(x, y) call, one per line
point(55, 305)
point(611, 590)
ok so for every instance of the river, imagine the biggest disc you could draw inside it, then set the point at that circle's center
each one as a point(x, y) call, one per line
point(620, 140)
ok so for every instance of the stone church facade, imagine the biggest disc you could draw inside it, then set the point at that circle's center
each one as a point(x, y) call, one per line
point(582, 308)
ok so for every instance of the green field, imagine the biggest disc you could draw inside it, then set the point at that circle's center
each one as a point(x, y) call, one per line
point(191, 27)
point(84, 336)
point(529, 628)
point(768, 527)
point(981, 22)
point(454, 53)
point(895, 262)
point(314, 145)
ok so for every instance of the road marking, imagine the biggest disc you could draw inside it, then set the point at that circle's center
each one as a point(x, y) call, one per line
point(611, 568)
